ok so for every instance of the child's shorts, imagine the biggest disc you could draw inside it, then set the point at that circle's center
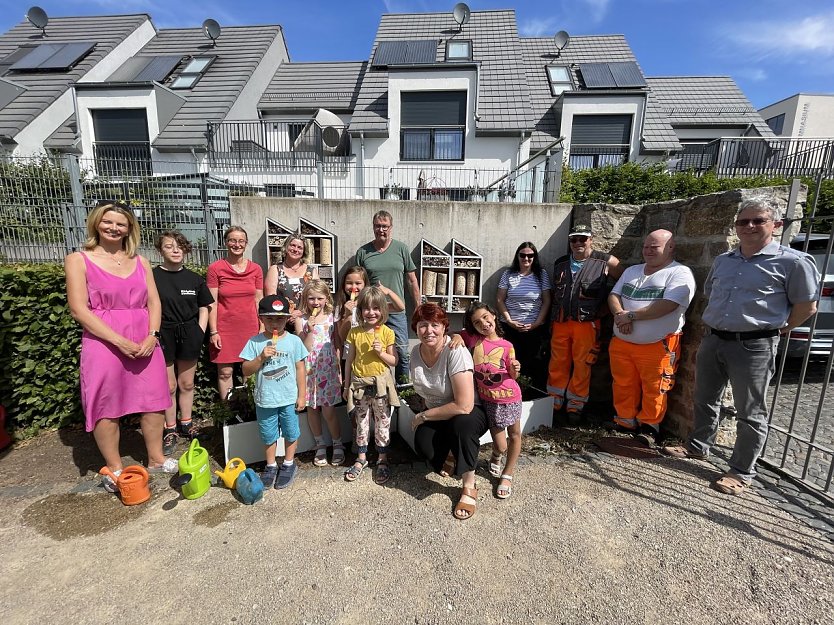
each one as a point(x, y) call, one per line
point(182, 341)
point(276, 422)
point(502, 415)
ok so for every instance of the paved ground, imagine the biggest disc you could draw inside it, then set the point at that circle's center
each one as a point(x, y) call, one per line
point(588, 537)
point(810, 417)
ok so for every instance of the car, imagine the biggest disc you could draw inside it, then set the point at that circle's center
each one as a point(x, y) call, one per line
point(823, 336)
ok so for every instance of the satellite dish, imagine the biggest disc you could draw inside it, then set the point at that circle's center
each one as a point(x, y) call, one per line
point(37, 17)
point(461, 13)
point(212, 30)
point(561, 39)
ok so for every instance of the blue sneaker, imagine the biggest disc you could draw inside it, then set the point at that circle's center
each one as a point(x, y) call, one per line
point(268, 476)
point(286, 475)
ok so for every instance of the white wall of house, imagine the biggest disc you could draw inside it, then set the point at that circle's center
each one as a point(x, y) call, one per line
point(704, 133)
point(30, 140)
point(806, 115)
point(634, 105)
point(89, 100)
point(488, 153)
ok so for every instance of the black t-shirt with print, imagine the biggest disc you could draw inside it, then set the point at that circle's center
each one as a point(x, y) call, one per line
point(182, 294)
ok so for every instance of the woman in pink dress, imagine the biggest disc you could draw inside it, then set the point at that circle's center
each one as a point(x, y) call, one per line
point(112, 294)
point(237, 286)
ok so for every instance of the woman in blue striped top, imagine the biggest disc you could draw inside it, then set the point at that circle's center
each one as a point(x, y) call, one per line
point(523, 300)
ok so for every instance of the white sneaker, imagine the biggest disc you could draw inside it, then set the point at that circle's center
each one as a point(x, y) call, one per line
point(109, 484)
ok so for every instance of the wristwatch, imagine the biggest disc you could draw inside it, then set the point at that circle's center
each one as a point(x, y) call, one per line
point(631, 315)
point(155, 333)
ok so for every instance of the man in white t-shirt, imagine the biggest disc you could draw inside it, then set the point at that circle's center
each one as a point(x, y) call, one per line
point(648, 302)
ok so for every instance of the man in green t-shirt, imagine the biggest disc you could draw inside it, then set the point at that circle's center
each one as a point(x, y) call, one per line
point(388, 261)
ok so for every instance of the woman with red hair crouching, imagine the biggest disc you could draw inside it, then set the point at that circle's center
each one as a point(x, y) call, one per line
point(448, 430)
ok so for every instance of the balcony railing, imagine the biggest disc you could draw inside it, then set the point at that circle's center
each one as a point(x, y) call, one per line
point(753, 156)
point(122, 159)
point(592, 156)
point(275, 145)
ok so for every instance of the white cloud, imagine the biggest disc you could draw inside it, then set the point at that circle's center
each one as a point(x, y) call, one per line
point(537, 27)
point(811, 36)
point(598, 9)
point(753, 74)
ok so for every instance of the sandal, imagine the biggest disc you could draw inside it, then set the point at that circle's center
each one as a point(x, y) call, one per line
point(468, 509)
point(505, 490)
point(338, 454)
point(320, 460)
point(730, 484)
point(679, 451)
point(448, 468)
point(383, 473)
point(356, 470)
point(495, 464)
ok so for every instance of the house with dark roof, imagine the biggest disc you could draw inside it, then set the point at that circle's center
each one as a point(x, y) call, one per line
point(136, 100)
point(446, 101)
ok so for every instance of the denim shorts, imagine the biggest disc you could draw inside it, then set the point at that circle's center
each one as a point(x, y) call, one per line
point(276, 422)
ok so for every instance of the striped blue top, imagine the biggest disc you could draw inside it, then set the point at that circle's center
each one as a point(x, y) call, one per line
point(524, 294)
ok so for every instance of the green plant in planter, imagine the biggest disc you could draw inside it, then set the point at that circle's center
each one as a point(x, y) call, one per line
point(528, 391)
point(238, 407)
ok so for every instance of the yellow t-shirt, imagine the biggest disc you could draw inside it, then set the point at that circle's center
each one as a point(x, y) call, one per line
point(366, 362)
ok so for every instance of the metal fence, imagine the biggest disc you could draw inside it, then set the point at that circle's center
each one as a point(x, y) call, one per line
point(44, 201)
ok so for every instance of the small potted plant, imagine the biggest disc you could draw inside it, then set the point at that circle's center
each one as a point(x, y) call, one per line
point(506, 191)
point(393, 191)
point(476, 194)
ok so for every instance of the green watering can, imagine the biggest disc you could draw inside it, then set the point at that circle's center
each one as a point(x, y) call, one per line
point(195, 462)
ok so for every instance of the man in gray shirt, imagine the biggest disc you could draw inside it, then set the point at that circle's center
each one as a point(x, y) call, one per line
point(756, 292)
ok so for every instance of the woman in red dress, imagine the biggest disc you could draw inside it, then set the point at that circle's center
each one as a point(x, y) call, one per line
point(237, 286)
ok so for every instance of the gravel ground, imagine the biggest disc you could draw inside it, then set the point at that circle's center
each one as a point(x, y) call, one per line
point(586, 538)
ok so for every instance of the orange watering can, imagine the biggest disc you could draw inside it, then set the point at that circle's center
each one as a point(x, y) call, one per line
point(132, 484)
point(234, 467)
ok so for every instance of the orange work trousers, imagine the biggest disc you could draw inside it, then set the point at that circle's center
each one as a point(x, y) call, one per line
point(574, 349)
point(643, 375)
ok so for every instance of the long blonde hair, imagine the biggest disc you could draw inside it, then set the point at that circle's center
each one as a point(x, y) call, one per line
point(130, 243)
point(320, 287)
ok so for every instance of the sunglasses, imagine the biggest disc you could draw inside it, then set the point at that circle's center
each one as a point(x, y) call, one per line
point(488, 379)
point(577, 239)
point(116, 203)
point(756, 221)
point(520, 255)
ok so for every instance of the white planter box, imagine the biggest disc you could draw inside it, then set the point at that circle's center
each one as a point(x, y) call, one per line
point(241, 440)
point(534, 414)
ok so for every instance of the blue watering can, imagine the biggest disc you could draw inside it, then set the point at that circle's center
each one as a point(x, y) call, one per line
point(249, 487)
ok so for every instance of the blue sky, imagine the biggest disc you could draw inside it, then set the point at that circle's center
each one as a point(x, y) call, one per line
point(772, 48)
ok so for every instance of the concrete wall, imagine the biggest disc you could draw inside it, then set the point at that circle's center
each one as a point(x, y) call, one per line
point(492, 229)
point(703, 228)
point(806, 115)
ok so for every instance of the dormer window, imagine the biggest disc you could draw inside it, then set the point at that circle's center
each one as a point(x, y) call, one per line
point(195, 69)
point(459, 50)
point(559, 77)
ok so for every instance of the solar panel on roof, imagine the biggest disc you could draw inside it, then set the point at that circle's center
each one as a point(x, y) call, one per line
point(597, 75)
point(405, 52)
point(54, 56)
point(157, 69)
point(627, 74)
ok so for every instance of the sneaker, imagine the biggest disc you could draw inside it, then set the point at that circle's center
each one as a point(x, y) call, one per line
point(169, 441)
point(169, 466)
point(268, 476)
point(109, 484)
point(574, 417)
point(189, 430)
point(286, 475)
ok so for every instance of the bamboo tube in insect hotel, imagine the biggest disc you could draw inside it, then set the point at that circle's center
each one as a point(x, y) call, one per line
point(429, 282)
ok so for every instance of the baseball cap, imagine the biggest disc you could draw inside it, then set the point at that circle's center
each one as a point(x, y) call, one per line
point(580, 230)
point(274, 306)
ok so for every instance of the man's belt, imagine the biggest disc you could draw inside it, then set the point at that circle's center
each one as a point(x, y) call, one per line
point(743, 336)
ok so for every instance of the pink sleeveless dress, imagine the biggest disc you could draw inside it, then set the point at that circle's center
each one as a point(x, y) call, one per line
point(113, 385)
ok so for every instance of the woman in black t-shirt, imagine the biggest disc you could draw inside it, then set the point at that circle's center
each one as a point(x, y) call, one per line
point(185, 309)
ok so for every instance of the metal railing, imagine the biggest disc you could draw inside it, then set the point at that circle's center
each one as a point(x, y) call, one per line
point(274, 145)
point(755, 156)
point(122, 159)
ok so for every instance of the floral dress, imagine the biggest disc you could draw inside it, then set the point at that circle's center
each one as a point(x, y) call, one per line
point(292, 287)
point(323, 384)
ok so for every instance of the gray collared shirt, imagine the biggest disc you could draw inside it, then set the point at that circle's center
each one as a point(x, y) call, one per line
point(757, 293)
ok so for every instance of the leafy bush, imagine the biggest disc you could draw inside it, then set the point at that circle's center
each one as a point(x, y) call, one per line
point(635, 183)
point(40, 344)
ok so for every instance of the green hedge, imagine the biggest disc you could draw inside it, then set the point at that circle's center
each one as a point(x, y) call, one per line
point(39, 349)
point(635, 183)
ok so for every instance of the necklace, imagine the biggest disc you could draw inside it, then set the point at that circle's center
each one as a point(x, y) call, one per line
point(114, 257)
point(235, 267)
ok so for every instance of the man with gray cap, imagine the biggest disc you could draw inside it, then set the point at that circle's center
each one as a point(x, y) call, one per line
point(756, 292)
point(581, 283)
